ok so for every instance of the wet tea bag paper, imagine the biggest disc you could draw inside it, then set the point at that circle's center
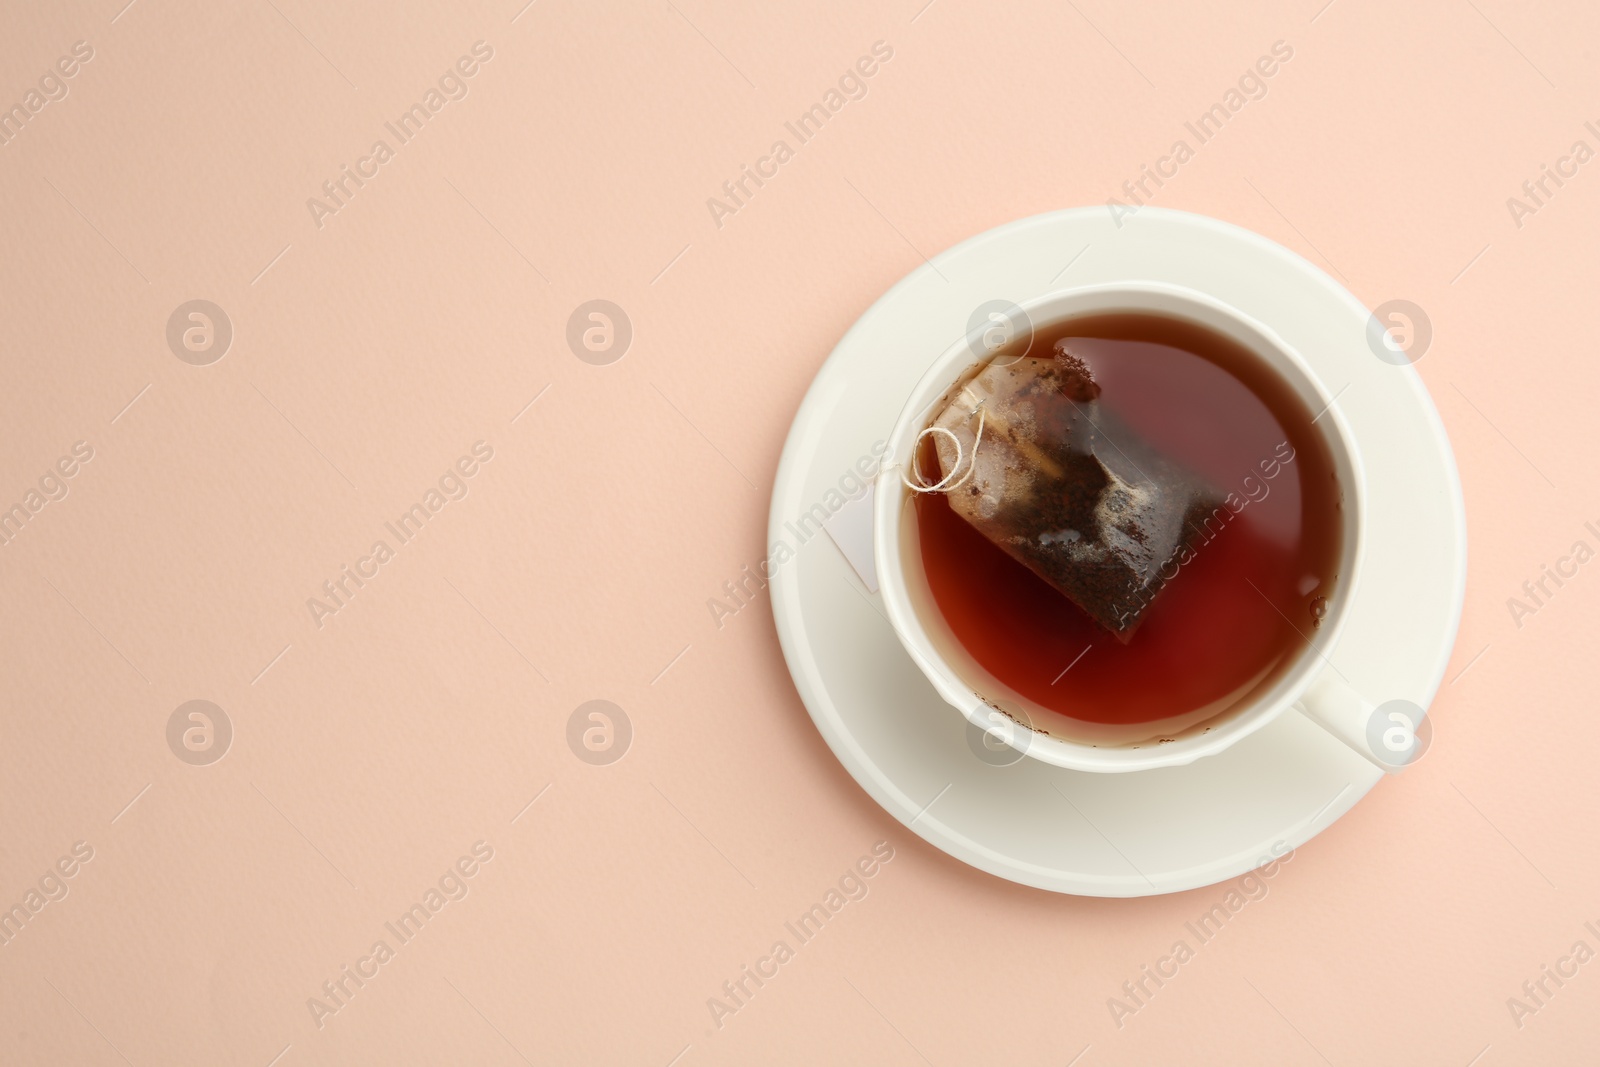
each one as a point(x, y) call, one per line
point(1065, 487)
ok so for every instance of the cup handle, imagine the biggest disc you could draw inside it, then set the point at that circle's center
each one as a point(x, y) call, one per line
point(1345, 714)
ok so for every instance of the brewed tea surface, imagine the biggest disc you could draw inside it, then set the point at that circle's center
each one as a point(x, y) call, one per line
point(1212, 590)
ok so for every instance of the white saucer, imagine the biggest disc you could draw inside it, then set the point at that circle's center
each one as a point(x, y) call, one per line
point(1134, 834)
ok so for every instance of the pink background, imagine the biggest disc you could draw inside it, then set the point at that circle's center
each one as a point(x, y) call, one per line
point(368, 354)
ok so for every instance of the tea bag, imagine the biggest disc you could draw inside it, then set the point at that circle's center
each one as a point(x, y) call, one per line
point(1030, 458)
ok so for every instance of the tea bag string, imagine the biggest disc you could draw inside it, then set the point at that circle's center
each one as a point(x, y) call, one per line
point(920, 485)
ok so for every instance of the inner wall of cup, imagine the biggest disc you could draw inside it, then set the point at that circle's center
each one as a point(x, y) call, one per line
point(1276, 685)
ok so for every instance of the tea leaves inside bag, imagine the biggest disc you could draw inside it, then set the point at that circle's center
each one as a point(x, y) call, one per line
point(1066, 487)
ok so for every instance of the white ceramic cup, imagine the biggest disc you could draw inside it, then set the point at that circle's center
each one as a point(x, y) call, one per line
point(1310, 682)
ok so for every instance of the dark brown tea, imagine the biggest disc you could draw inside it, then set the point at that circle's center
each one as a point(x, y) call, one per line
point(1247, 566)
